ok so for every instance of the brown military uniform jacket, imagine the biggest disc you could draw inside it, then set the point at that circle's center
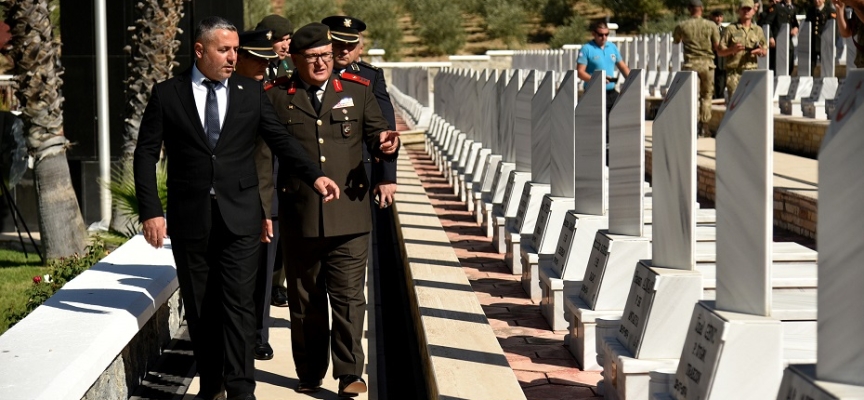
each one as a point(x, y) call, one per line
point(698, 36)
point(334, 137)
point(751, 37)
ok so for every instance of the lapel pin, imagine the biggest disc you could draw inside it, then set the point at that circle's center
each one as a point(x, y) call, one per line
point(240, 87)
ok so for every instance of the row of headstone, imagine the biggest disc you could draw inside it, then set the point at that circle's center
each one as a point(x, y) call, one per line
point(546, 60)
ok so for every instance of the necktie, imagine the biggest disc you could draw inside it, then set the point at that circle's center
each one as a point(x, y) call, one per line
point(313, 97)
point(211, 113)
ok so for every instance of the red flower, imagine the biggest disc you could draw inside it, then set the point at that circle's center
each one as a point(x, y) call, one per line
point(37, 279)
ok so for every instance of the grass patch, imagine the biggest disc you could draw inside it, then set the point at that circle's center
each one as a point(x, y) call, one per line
point(16, 276)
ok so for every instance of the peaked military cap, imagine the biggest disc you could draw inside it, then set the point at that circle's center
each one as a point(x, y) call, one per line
point(280, 25)
point(310, 36)
point(258, 43)
point(345, 29)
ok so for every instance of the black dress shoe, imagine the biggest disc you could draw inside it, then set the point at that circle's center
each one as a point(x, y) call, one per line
point(278, 297)
point(308, 386)
point(247, 396)
point(263, 351)
point(351, 385)
point(210, 396)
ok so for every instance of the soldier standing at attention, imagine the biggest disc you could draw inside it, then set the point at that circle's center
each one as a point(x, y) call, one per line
point(741, 43)
point(777, 14)
point(700, 38)
point(719, 62)
point(818, 15)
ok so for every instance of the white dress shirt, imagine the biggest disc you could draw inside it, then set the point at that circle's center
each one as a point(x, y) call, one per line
point(199, 91)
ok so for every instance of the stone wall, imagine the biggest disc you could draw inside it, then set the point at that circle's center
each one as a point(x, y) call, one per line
point(131, 366)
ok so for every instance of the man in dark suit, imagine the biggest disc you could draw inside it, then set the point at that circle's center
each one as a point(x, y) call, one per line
point(208, 121)
point(328, 243)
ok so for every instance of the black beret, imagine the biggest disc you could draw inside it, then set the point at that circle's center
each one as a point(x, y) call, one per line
point(308, 37)
point(258, 43)
point(280, 26)
point(345, 29)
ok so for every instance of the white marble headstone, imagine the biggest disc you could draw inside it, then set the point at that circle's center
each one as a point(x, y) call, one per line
point(653, 52)
point(673, 175)
point(489, 110)
point(762, 62)
point(563, 137)
point(745, 144)
point(500, 101)
point(541, 129)
point(507, 117)
point(627, 157)
point(677, 56)
point(840, 231)
point(642, 49)
point(522, 122)
point(589, 182)
point(665, 52)
point(802, 52)
point(828, 49)
point(782, 50)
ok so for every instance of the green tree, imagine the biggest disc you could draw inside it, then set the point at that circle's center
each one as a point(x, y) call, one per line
point(38, 70)
point(556, 12)
point(439, 25)
point(303, 12)
point(642, 10)
point(506, 21)
point(574, 31)
point(254, 11)
point(382, 24)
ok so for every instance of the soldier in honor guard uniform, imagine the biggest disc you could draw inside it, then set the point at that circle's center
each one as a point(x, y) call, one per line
point(279, 67)
point(253, 59)
point(719, 62)
point(282, 30)
point(700, 38)
point(778, 13)
point(741, 43)
point(818, 15)
point(328, 243)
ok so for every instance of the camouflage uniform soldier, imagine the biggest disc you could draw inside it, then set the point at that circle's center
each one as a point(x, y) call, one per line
point(700, 38)
point(741, 43)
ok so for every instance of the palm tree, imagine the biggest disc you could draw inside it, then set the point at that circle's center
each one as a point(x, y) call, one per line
point(38, 71)
point(153, 49)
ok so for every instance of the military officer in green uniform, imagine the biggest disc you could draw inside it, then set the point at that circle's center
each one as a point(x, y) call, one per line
point(326, 244)
point(741, 43)
point(818, 15)
point(700, 38)
point(778, 13)
point(281, 29)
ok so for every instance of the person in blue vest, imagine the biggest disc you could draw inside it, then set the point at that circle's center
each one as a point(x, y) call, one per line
point(600, 53)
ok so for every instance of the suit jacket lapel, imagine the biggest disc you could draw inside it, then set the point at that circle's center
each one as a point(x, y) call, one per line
point(236, 94)
point(187, 100)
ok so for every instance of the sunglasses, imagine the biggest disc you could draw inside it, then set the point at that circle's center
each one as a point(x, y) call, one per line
point(601, 34)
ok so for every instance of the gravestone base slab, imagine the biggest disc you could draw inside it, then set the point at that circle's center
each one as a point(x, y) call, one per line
point(790, 107)
point(531, 264)
point(583, 331)
point(626, 377)
point(513, 256)
point(729, 355)
point(552, 291)
point(799, 382)
point(509, 208)
point(660, 384)
point(528, 208)
point(813, 109)
point(575, 243)
point(499, 233)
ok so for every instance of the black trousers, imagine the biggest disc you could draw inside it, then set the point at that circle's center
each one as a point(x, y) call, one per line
point(269, 259)
point(319, 269)
point(217, 279)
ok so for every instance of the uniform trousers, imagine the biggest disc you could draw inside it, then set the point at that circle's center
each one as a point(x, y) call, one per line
point(217, 275)
point(319, 269)
point(269, 260)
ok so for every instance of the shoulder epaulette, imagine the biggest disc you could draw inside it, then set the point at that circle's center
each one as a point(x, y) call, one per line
point(355, 78)
point(367, 65)
point(276, 82)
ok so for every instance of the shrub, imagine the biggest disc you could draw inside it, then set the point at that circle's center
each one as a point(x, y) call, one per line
point(439, 26)
point(506, 21)
point(575, 31)
point(303, 12)
point(254, 11)
point(122, 189)
point(382, 25)
point(60, 271)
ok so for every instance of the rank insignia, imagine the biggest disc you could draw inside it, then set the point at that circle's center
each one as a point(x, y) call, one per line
point(346, 129)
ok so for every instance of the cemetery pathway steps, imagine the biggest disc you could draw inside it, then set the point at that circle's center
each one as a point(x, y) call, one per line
point(543, 366)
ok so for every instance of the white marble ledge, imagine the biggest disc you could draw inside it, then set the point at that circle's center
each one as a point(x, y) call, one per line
point(786, 305)
point(780, 251)
point(783, 275)
point(586, 315)
point(63, 346)
point(703, 216)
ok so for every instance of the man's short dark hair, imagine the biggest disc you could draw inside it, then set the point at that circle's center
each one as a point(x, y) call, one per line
point(716, 13)
point(599, 25)
point(210, 24)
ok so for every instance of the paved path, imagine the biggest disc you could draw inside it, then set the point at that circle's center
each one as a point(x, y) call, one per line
point(544, 367)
